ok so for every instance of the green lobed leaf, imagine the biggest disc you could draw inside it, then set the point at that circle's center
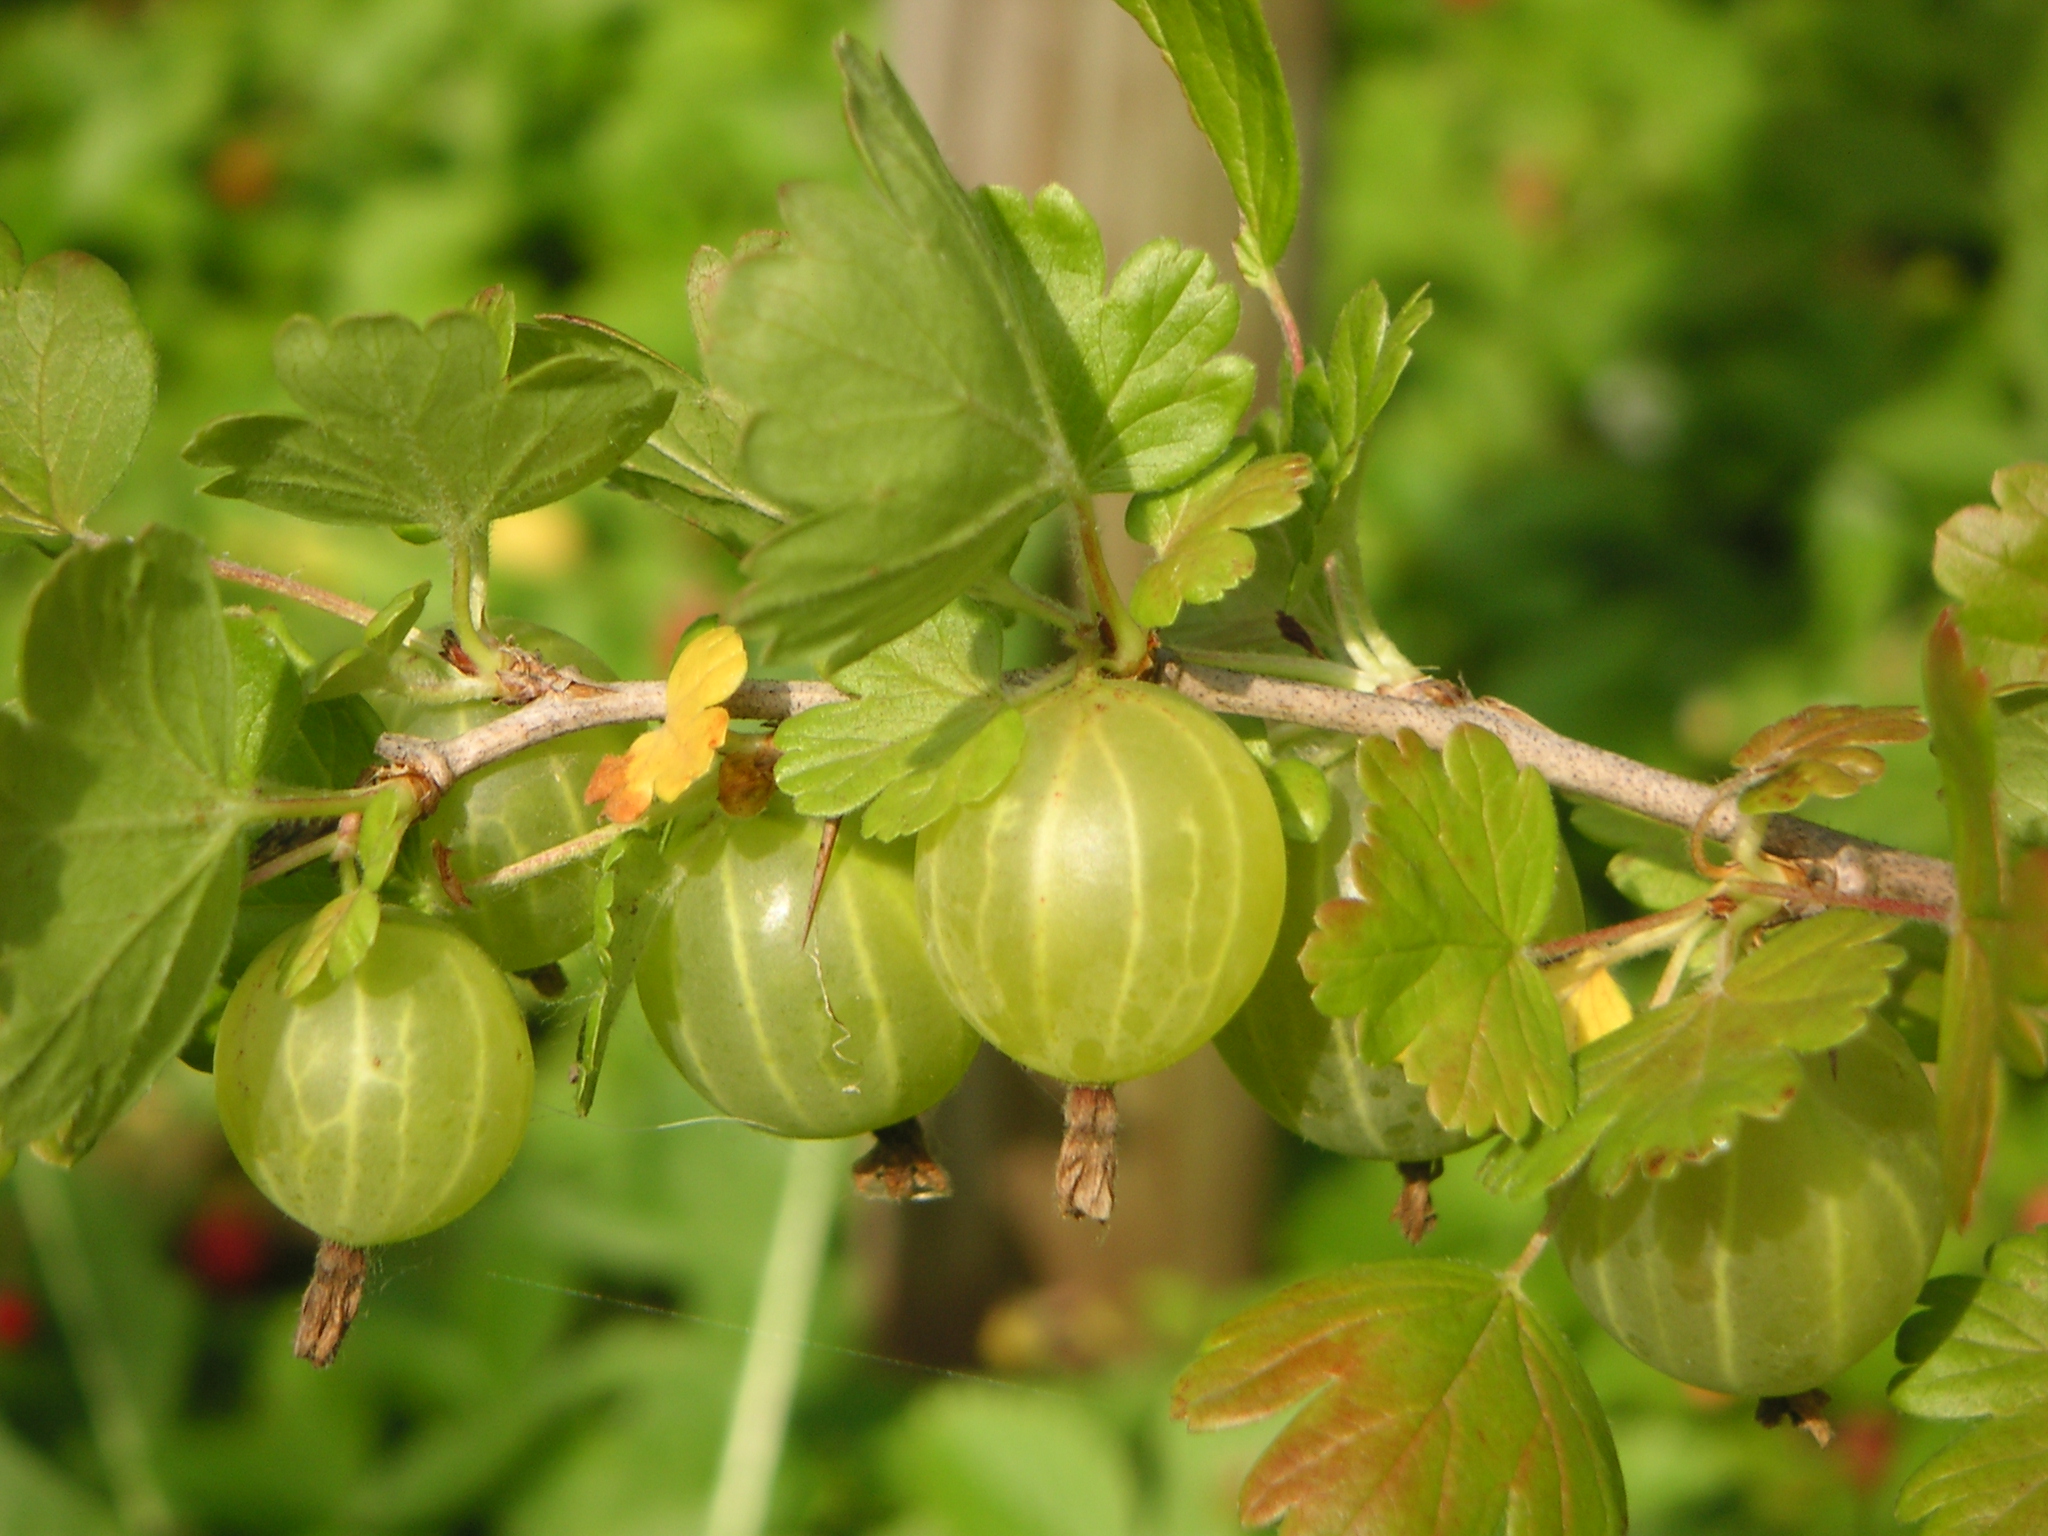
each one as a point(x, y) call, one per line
point(1369, 351)
point(1994, 561)
point(1327, 413)
point(407, 424)
point(123, 793)
point(1437, 1402)
point(77, 383)
point(1198, 530)
point(690, 464)
point(928, 729)
point(1145, 394)
point(1974, 989)
point(1981, 1348)
point(1991, 1482)
point(899, 416)
point(1456, 876)
point(1671, 1087)
point(1223, 57)
point(1981, 1351)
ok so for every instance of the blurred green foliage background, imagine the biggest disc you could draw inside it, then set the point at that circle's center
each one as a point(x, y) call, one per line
point(1736, 299)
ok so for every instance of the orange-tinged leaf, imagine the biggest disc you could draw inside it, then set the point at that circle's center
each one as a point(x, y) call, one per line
point(1435, 1401)
point(680, 751)
point(1823, 750)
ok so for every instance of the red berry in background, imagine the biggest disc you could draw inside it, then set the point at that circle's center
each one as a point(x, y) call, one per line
point(227, 1246)
point(18, 1318)
point(1865, 1444)
point(2033, 1211)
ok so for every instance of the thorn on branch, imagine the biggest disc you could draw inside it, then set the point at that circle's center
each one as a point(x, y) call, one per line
point(900, 1167)
point(1295, 633)
point(828, 839)
point(1085, 1175)
point(1802, 1409)
point(1414, 1212)
point(456, 657)
point(331, 1301)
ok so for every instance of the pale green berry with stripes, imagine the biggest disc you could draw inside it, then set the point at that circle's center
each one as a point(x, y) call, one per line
point(848, 1031)
point(1107, 910)
point(1303, 1066)
point(1772, 1268)
point(381, 1106)
point(508, 811)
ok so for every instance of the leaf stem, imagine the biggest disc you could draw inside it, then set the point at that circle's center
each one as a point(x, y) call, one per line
point(548, 858)
point(1129, 654)
point(1283, 312)
point(1006, 591)
point(111, 1400)
point(303, 593)
point(790, 1271)
point(1306, 669)
point(469, 580)
point(1681, 957)
point(296, 858)
point(335, 802)
point(1533, 1250)
point(1643, 935)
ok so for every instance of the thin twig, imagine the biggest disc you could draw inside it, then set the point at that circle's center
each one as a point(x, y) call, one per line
point(548, 858)
point(285, 863)
point(301, 592)
point(1850, 868)
point(1533, 1249)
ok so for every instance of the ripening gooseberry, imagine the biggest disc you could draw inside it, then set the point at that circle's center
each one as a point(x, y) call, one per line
point(1303, 1066)
point(1775, 1266)
point(513, 809)
point(1104, 913)
point(845, 1033)
point(381, 1106)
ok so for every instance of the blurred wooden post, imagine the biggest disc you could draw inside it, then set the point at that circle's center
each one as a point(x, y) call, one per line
point(1025, 92)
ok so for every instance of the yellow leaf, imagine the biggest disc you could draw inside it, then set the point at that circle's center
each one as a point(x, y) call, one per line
point(680, 751)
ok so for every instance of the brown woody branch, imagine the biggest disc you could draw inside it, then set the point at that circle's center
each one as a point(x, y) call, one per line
point(1865, 872)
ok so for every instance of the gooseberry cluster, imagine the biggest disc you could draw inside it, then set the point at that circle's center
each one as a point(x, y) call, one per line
point(387, 865)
